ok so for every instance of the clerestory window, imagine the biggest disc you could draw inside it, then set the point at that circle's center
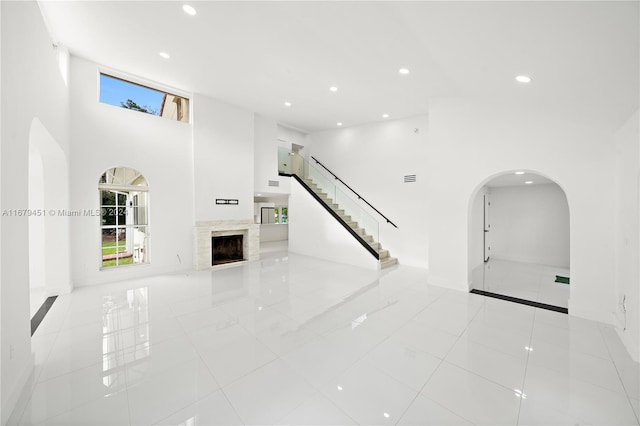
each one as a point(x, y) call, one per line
point(136, 97)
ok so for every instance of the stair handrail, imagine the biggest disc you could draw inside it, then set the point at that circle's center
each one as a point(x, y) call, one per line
point(351, 189)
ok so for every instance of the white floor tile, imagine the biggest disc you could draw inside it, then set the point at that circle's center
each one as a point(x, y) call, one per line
point(534, 412)
point(236, 358)
point(576, 398)
point(635, 403)
point(210, 410)
point(591, 369)
point(146, 361)
point(317, 410)
point(64, 393)
point(426, 338)
point(509, 342)
point(111, 410)
point(588, 341)
point(489, 363)
point(330, 355)
point(403, 362)
point(458, 316)
point(628, 369)
point(472, 397)
point(424, 411)
point(268, 394)
point(279, 335)
point(203, 318)
point(160, 395)
point(369, 396)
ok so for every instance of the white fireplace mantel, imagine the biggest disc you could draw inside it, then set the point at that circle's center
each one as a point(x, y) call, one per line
point(206, 229)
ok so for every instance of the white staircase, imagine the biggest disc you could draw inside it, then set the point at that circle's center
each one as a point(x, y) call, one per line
point(384, 258)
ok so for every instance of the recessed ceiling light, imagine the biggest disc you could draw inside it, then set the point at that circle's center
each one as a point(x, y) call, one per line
point(339, 124)
point(287, 104)
point(189, 10)
point(403, 71)
point(333, 88)
point(164, 55)
point(523, 79)
point(259, 195)
point(385, 115)
point(386, 415)
point(519, 173)
point(339, 387)
point(529, 182)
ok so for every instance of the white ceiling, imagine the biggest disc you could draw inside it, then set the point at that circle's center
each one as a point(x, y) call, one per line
point(583, 56)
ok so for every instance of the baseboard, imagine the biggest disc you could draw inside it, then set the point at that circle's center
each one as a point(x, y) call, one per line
point(12, 401)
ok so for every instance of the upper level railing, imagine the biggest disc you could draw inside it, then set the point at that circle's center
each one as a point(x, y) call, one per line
point(291, 163)
point(354, 192)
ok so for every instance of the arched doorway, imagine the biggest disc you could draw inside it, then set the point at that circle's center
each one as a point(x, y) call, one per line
point(519, 239)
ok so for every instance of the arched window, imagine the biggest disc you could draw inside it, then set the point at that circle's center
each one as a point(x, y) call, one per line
point(124, 201)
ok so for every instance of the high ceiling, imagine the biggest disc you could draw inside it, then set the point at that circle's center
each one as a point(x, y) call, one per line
point(583, 56)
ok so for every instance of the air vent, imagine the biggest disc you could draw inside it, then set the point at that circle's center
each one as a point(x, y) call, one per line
point(274, 183)
point(409, 178)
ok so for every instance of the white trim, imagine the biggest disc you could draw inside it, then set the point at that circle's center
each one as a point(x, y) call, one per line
point(127, 188)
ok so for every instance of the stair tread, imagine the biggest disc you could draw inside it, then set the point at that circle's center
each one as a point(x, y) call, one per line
point(385, 258)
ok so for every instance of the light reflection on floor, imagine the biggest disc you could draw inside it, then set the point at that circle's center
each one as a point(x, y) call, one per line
point(296, 340)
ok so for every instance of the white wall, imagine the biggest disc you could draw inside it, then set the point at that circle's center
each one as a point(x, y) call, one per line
point(266, 157)
point(530, 224)
point(313, 231)
point(469, 143)
point(223, 160)
point(49, 234)
point(32, 88)
point(37, 250)
point(105, 136)
point(627, 277)
point(373, 159)
point(290, 135)
point(274, 232)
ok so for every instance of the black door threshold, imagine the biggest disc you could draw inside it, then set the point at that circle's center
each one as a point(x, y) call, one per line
point(521, 301)
point(39, 316)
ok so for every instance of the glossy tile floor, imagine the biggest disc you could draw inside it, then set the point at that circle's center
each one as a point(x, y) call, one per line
point(296, 340)
point(527, 281)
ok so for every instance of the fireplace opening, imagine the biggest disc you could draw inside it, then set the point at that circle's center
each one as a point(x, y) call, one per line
point(226, 249)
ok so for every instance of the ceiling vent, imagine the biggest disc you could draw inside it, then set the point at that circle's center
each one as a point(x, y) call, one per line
point(409, 178)
point(274, 183)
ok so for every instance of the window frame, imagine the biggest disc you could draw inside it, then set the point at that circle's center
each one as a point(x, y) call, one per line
point(147, 84)
point(119, 189)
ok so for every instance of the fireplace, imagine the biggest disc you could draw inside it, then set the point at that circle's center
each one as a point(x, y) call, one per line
point(226, 249)
point(203, 241)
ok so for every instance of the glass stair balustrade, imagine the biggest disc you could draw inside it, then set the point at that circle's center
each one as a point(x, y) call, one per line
point(350, 212)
